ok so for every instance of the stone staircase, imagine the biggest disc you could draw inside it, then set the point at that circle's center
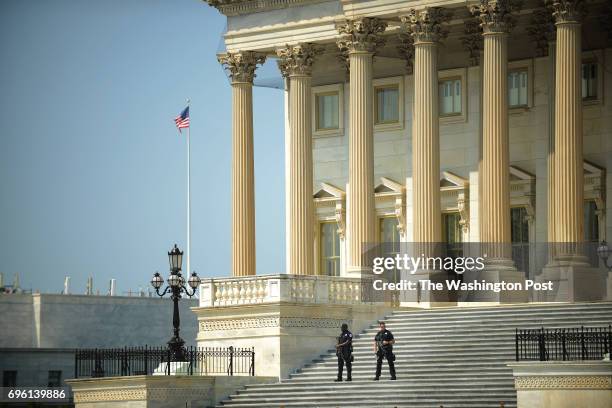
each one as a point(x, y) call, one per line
point(450, 357)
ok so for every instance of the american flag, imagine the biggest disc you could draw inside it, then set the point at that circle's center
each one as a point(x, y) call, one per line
point(182, 120)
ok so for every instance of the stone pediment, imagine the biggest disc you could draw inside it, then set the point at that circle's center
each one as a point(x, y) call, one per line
point(388, 186)
point(452, 180)
point(329, 191)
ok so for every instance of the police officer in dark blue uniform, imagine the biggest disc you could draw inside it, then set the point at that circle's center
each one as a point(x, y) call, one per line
point(344, 351)
point(383, 347)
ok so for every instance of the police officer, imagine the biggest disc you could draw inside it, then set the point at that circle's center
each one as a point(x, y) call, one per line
point(344, 351)
point(383, 347)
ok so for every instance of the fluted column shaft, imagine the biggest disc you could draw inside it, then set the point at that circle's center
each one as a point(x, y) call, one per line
point(301, 252)
point(241, 69)
point(569, 193)
point(243, 193)
point(495, 155)
point(426, 145)
point(361, 157)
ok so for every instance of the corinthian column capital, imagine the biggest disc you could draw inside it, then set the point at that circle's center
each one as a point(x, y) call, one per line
point(495, 15)
point(425, 25)
point(297, 59)
point(241, 65)
point(567, 11)
point(361, 35)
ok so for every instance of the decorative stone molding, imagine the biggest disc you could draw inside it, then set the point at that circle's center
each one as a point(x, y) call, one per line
point(406, 51)
point(390, 198)
point(330, 203)
point(361, 35)
point(495, 15)
point(297, 59)
point(567, 11)
point(472, 40)
point(522, 191)
point(237, 7)
point(541, 28)
point(267, 322)
point(600, 382)
point(241, 66)
point(425, 25)
point(340, 217)
point(454, 196)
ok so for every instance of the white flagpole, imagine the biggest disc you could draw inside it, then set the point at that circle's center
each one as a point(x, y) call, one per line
point(188, 197)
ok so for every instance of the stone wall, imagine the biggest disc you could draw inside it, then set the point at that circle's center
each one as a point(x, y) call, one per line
point(80, 321)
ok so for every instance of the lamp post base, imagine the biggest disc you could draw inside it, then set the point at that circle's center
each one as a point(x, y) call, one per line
point(176, 346)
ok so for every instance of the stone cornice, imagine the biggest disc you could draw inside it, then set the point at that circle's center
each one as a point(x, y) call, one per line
point(297, 59)
point(425, 25)
point(241, 66)
point(361, 34)
point(237, 7)
point(495, 15)
point(567, 11)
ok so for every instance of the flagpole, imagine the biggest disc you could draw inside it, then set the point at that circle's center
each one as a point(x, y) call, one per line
point(188, 195)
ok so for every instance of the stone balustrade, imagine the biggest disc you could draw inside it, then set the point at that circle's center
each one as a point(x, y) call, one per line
point(257, 289)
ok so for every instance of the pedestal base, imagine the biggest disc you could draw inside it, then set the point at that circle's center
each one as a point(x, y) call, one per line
point(573, 283)
point(495, 274)
point(425, 298)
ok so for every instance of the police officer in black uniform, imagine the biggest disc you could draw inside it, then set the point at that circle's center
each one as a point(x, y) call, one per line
point(383, 347)
point(344, 351)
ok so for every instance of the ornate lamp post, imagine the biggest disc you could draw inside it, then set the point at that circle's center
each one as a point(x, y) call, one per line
point(176, 286)
point(604, 253)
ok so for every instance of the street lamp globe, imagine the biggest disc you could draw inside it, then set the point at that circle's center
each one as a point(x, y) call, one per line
point(157, 281)
point(194, 280)
point(174, 280)
point(603, 250)
point(175, 257)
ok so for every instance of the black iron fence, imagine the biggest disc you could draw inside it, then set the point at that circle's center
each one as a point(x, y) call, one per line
point(146, 360)
point(579, 343)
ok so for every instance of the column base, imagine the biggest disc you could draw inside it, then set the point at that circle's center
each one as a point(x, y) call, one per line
point(358, 271)
point(425, 298)
point(499, 271)
point(573, 282)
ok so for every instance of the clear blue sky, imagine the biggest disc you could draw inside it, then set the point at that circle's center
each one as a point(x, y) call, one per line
point(92, 169)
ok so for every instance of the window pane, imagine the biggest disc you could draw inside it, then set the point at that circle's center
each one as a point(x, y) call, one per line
point(330, 249)
point(327, 111)
point(457, 100)
point(387, 105)
point(446, 98)
point(523, 88)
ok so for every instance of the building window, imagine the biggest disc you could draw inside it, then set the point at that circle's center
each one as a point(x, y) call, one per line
point(330, 249)
point(389, 239)
point(519, 232)
point(387, 104)
point(589, 80)
point(517, 89)
point(9, 378)
point(450, 97)
point(591, 222)
point(452, 234)
point(327, 111)
point(55, 378)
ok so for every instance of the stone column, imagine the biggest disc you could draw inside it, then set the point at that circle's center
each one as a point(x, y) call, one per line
point(569, 193)
point(360, 38)
point(424, 25)
point(495, 203)
point(295, 62)
point(241, 69)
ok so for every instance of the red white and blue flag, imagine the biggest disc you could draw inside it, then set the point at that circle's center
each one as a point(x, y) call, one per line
point(182, 120)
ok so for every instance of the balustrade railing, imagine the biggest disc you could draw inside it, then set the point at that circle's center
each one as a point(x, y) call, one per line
point(289, 288)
